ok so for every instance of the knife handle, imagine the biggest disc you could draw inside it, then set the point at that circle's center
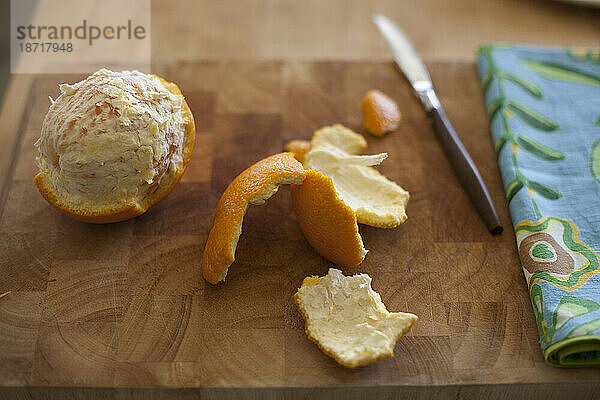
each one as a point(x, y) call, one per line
point(465, 169)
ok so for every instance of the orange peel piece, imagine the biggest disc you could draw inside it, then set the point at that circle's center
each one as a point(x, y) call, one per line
point(327, 222)
point(341, 137)
point(346, 318)
point(299, 148)
point(376, 200)
point(340, 191)
point(380, 113)
point(253, 186)
point(335, 135)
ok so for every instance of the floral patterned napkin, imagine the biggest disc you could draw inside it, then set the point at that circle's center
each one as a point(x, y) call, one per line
point(544, 110)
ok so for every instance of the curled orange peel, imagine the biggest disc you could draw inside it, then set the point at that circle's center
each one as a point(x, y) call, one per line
point(253, 186)
point(327, 222)
point(341, 190)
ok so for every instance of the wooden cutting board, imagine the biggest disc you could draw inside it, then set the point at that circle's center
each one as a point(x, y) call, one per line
point(124, 306)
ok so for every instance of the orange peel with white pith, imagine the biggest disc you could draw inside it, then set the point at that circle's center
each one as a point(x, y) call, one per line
point(253, 186)
point(339, 136)
point(376, 200)
point(327, 222)
point(335, 135)
point(342, 189)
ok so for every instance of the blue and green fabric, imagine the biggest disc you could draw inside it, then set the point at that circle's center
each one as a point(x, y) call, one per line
point(544, 110)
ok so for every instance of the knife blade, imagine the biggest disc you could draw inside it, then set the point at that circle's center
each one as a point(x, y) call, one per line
point(416, 73)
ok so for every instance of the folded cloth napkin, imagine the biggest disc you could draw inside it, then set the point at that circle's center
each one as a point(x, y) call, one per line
point(544, 110)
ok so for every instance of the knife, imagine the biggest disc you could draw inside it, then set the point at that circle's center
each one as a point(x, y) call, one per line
point(414, 70)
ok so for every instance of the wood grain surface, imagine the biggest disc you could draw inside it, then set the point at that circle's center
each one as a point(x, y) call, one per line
point(342, 29)
point(122, 311)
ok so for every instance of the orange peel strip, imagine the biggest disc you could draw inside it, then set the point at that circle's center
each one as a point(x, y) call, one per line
point(253, 186)
point(327, 222)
